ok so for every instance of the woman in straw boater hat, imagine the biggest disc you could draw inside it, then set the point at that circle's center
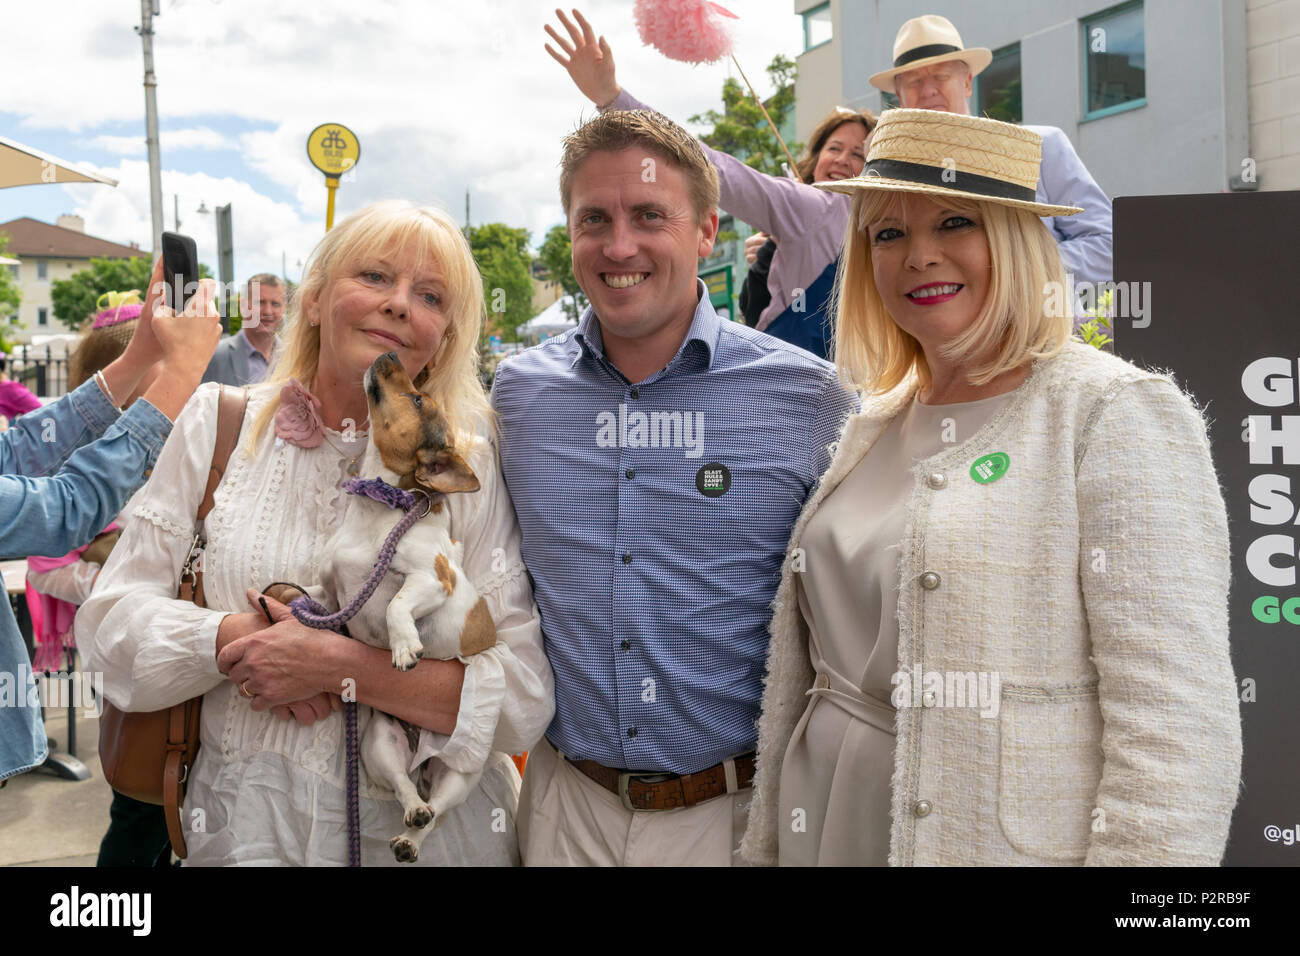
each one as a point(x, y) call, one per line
point(808, 225)
point(1001, 636)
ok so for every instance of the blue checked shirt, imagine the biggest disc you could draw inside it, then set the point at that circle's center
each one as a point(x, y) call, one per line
point(655, 519)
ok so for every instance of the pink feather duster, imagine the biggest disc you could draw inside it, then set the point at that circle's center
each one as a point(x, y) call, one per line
point(686, 30)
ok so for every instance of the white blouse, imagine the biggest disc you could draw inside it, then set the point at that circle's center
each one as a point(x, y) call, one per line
point(265, 790)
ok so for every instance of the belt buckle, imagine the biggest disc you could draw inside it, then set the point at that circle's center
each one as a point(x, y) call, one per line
point(625, 778)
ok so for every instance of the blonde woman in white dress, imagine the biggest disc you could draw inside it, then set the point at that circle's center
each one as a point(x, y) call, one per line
point(268, 786)
point(1001, 636)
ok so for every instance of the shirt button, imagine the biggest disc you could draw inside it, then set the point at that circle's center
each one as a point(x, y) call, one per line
point(626, 645)
point(927, 699)
point(631, 472)
point(929, 580)
point(627, 559)
point(631, 731)
point(635, 393)
point(148, 472)
point(937, 481)
point(922, 808)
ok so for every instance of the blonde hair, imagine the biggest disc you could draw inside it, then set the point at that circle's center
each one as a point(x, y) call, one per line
point(617, 130)
point(1015, 326)
point(451, 379)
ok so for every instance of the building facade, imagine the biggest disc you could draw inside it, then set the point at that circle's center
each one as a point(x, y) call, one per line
point(46, 252)
point(1158, 96)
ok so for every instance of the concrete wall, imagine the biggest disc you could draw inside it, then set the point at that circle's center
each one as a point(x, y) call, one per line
point(817, 89)
point(1191, 135)
point(1273, 55)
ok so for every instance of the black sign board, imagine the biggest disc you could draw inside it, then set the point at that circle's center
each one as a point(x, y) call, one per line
point(1222, 313)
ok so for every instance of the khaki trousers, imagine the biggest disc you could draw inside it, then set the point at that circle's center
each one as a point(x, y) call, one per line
point(567, 819)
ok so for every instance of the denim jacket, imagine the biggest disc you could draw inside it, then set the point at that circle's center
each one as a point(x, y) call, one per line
point(55, 495)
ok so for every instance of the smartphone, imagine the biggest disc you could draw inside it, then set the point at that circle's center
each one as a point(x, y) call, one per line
point(180, 269)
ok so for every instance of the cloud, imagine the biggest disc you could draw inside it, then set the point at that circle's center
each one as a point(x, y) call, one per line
point(445, 98)
point(176, 139)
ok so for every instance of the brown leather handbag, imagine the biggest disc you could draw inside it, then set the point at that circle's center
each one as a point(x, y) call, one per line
point(148, 755)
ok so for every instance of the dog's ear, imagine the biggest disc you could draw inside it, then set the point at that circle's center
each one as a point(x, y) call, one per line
point(447, 472)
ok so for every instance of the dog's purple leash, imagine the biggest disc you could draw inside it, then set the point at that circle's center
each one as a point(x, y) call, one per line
point(315, 615)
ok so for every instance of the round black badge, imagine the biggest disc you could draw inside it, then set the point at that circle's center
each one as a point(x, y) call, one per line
point(713, 480)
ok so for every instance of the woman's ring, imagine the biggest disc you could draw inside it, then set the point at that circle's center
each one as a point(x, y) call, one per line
point(243, 688)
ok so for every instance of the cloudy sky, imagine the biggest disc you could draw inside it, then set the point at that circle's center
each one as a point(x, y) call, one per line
point(444, 96)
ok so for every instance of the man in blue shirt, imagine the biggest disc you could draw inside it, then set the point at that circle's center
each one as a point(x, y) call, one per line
point(67, 469)
point(658, 457)
point(246, 357)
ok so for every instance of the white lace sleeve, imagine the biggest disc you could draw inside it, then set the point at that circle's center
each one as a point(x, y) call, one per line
point(153, 649)
point(508, 697)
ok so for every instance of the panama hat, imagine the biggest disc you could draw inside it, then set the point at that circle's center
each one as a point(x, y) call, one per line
point(946, 154)
point(926, 40)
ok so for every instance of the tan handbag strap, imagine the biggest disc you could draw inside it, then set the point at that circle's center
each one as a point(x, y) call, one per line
point(232, 403)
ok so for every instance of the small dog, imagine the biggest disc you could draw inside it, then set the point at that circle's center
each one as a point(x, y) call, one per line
point(425, 605)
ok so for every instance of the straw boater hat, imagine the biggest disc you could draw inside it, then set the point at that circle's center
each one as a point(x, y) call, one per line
point(945, 154)
point(926, 40)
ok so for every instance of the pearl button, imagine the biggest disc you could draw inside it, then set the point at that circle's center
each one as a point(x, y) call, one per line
point(922, 808)
point(927, 699)
point(937, 481)
point(930, 580)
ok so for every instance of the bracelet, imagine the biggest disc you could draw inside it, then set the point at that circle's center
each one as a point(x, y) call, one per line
point(99, 377)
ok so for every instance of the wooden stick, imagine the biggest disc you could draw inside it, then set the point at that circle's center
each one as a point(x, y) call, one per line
point(793, 169)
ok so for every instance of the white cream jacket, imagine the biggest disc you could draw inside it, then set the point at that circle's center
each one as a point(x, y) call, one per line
point(1092, 578)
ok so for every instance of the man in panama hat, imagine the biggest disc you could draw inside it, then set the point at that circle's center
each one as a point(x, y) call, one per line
point(932, 70)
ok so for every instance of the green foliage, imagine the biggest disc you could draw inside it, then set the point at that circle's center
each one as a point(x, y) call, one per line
point(503, 258)
point(740, 128)
point(1093, 332)
point(74, 298)
point(10, 297)
point(556, 257)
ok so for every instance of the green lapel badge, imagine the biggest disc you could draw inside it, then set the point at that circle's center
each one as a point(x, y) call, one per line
point(989, 468)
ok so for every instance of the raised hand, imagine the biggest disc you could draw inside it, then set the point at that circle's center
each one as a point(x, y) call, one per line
point(589, 62)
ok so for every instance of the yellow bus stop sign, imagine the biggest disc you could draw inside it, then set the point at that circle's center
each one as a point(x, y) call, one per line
point(333, 149)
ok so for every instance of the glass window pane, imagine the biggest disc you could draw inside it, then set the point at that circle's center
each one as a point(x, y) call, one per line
point(999, 87)
point(817, 26)
point(1115, 46)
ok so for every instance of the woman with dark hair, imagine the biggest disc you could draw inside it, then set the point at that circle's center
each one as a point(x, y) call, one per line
point(808, 224)
point(837, 144)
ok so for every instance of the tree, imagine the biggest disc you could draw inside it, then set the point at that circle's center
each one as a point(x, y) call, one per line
point(556, 257)
point(10, 295)
point(503, 258)
point(74, 298)
point(740, 128)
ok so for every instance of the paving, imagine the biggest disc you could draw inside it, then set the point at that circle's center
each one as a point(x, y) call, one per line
point(46, 820)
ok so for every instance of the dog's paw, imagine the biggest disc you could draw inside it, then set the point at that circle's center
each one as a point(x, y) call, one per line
point(404, 658)
point(404, 851)
point(283, 593)
point(419, 818)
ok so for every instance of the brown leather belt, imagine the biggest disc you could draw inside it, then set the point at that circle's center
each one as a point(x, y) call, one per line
point(644, 790)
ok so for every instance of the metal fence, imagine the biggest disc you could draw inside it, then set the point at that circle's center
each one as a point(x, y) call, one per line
point(40, 368)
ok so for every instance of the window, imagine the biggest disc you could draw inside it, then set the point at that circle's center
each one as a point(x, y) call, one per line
point(42, 316)
point(997, 89)
point(888, 101)
point(13, 270)
point(1114, 58)
point(42, 269)
point(817, 26)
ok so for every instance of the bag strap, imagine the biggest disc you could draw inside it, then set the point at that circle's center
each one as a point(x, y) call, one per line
point(231, 405)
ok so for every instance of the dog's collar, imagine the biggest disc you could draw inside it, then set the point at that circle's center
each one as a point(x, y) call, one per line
point(376, 489)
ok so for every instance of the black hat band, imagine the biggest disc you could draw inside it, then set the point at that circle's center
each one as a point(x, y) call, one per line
point(921, 52)
point(947, 177)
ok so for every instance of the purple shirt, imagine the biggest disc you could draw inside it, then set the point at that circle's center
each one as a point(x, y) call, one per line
point(808, 224)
